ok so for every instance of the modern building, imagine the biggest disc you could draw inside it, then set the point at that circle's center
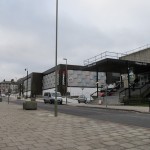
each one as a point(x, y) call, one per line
point(142, 58)
point(97, 72)
point(134, 69)
point(77, 80)
point(31, 85)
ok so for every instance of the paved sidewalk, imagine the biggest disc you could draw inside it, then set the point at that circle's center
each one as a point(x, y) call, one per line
point(73, 102)
point(142, 109)
point(40, 130)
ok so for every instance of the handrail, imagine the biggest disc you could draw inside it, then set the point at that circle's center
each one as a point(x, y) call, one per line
point(103, 55)
point(93, 93)
point(114, 55)
point(136, 88)
point(138, 49)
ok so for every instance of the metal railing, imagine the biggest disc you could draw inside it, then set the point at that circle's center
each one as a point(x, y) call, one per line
point(102, 56)
point(137, 91)
point(137, 49)
point(113, 55)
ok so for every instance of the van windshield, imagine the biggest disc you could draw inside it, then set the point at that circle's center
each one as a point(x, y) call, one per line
point(58, 94)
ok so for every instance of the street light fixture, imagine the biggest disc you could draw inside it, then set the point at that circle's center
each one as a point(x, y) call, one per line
point(26, 69)
point(66, 78)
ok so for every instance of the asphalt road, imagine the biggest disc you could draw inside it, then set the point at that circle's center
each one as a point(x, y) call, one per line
point(116, 116)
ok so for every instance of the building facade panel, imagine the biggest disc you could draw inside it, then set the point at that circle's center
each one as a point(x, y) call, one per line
point(49, 81)
point(29, 85)
point(85, 78)
point(140, 56)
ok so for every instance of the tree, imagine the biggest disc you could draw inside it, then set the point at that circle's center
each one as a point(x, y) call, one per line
point(12, 80)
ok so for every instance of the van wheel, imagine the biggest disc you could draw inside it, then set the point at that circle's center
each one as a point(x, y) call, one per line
point(44, 102)
point(78, 101)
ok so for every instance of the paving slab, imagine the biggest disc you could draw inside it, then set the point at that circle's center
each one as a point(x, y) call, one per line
point(40, 130)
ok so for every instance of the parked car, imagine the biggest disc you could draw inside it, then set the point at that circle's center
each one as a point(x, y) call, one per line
point(101, 93)
point(82, 99)
point(49, 97)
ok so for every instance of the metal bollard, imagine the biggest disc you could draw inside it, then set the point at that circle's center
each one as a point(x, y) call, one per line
point(149, 104)
point(8, 97)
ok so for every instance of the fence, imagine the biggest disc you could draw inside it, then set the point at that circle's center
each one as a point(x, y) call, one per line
point(102, 56)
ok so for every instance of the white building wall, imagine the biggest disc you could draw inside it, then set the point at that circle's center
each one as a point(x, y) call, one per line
point(27, 93)
point(29, 84)
point(78, 82)
point(85, 78)
point(48, 90)
point(139, 56)
point(49, 81)
point(76, 91)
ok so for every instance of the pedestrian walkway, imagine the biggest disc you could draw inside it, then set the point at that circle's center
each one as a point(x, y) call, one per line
point(73, 102)
point(40, 130)
point(142, 109)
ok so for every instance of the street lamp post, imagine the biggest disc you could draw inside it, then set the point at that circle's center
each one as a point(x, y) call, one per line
point(26, 69)
point(66, 78)
point(9, 90)
point(56, 59)
point(97, 89)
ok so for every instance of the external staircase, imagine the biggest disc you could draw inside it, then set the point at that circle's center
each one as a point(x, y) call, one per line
point(111, 97)
point(137, 94)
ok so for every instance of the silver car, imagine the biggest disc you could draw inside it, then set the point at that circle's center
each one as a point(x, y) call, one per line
point(82, 99)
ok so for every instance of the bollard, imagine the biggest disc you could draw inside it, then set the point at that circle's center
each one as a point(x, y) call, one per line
point(8, 97)
point(149, 104)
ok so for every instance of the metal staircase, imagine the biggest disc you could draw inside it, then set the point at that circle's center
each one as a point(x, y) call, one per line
point(110, 97)
point(137, 94)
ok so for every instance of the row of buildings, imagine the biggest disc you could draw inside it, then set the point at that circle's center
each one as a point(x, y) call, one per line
point(7, 87)
point(101, 70)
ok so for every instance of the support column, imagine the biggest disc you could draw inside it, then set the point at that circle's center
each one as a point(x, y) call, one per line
point(97, 82)
point(129, 82)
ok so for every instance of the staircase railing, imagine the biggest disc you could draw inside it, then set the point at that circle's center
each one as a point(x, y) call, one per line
point(109, 91)
point(93, 94)
point(136, 91)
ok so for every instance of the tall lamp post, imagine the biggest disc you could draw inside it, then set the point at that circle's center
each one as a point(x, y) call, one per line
point(26, 69)
point(66, 78)
point(56, 59)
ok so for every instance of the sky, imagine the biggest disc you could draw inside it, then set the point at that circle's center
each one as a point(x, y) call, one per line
point(86, 28)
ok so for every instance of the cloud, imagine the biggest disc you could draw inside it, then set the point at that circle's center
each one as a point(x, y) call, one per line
point(86, 28)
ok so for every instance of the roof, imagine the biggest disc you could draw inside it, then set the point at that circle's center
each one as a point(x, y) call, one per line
point(5, 82)
point(63, 66)
point(117, 66)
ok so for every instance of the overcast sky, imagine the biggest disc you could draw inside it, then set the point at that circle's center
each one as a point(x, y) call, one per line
point(86, 28)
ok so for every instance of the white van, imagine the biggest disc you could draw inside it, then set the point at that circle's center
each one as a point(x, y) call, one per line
point(49, 97)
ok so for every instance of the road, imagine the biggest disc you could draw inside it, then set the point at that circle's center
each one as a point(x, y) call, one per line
point(116, 116)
